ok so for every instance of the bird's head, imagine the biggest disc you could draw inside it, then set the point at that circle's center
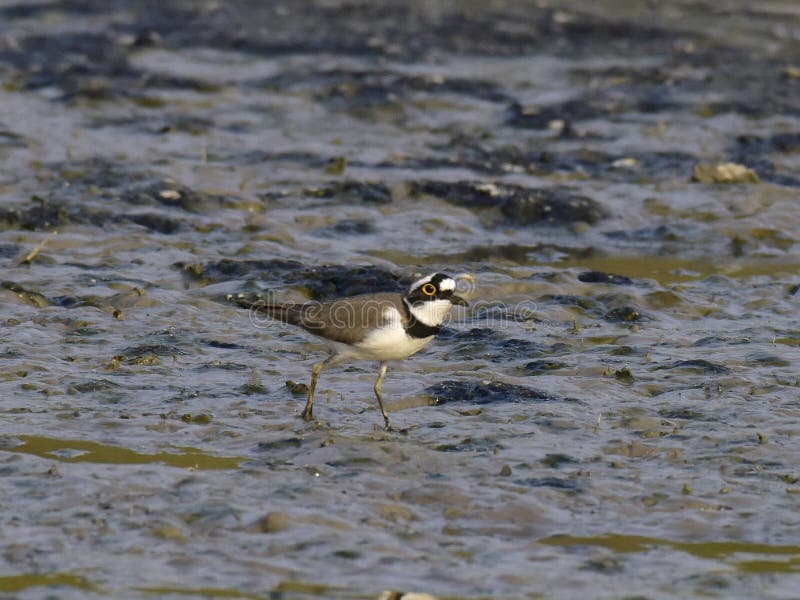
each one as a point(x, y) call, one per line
point(432, 297)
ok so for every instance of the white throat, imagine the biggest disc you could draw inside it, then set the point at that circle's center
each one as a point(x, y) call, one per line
point(431, 313)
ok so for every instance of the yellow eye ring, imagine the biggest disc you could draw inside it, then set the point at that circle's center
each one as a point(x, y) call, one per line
point(429, 289)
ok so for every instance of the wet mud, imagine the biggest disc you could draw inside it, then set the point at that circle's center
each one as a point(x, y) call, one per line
point(616, 413)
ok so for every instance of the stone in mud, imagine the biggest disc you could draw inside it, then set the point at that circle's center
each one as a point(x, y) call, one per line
point(541, 117)
point(519, 205)
point(353, 191)
point(552, 206)
point(485, 392)
point(150, 353)
point(559, 483)
point(698, 365)
point(394, 595)
point(554, 461)
point(470, 444)
point(541, 367)
point(295, 388)
point(623, 314)
point(26, 296)
point(680, 413)
point(229, 269)
point(600, 277)
point(584, 303)
point(272, 522)
point(723, 173)
point(488, 344)
point(351, 227)
point(325, 282)
point(169, 194)
point(480, 155)
point(334, 281)
point(155, 222)
point(765, 359)
point(43, 214)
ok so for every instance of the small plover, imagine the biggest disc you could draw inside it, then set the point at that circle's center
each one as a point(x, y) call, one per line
point(373, 327)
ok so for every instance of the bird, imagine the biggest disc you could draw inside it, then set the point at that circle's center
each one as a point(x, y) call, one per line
point(378, 327)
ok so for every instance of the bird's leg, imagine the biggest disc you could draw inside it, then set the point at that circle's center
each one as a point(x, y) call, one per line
point(315, 371)
point(381, 373)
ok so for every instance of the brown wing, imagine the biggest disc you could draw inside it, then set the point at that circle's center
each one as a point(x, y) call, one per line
point(348, 320)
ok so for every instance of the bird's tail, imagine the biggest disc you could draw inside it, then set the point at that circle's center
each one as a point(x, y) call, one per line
point(286, 313)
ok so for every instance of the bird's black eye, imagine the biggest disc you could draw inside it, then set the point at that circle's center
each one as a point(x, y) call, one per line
point(429, 289)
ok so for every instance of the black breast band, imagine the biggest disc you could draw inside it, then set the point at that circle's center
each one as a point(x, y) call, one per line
point(415, 328)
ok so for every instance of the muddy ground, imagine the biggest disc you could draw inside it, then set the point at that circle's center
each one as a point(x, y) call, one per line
point(615, 416)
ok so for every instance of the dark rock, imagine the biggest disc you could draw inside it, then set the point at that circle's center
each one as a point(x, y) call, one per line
point(45, 214)
point(698, 365)
point(555, 461)
point(680, 413)
point(154, 222)
point(271, 523)
point(584, 303)
point(281, 444)
point(169, 194)
point(552, 206)
point(623, 314)
point(764, 359)
point(486, 392)
point(558, 483)
point(335, 281)
point(541, 367)
point(229, 269)
point(470, 444)
point(353, 191)
point(222, 345)
point(600, 277)
point(325, 282)
point(96, 385)
point(353, 227)
point(489, 344)
point(295, 388)
point(519, 205)
point(27, 296)
point(154, 349)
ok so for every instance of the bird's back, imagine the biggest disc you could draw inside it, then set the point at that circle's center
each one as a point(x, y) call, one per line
point(348, 320)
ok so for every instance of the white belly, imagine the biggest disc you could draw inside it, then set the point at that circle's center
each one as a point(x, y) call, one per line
point(389, 343)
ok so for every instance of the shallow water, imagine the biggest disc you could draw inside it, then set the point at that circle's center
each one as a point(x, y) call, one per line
point(570, 435)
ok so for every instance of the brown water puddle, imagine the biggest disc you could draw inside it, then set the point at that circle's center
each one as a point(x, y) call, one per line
point(92, 452)
point(711, 550)
point(24, 581)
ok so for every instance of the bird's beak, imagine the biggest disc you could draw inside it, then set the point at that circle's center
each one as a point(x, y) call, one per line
point(458, 300)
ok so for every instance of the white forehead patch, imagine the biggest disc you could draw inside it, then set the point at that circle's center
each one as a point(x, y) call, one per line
point(446, 284)
point(420, 282)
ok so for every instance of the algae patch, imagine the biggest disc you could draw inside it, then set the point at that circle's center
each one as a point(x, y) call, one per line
point(93, 452)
